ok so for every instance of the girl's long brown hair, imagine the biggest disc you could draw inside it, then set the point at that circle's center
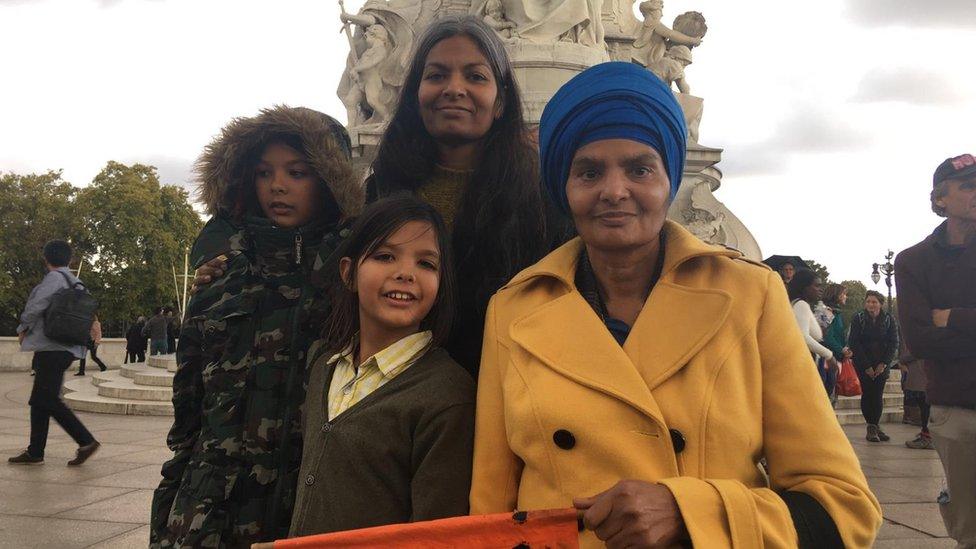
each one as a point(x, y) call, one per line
point(377, 223)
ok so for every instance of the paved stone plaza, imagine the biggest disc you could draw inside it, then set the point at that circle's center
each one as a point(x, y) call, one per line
point(105, 502)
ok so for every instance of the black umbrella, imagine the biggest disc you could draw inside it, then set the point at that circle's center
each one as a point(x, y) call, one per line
point(776, 262)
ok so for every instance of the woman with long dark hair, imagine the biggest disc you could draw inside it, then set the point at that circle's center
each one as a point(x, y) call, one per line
point(805, 292)
point(458, 140)
point(874, 342)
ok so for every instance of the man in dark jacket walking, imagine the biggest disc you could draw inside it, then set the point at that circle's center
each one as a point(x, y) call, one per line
point(937, 309)
point(51, 359)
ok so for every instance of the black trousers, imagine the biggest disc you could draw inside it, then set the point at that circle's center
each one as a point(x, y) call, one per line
point(45, 402)
point(872, 396)
point(131, 357)
point(94, 354)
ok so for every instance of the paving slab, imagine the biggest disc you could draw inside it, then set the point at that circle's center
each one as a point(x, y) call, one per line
point(128, 436)
point(924, 517)
point(930, 543)
point(903, 468)
point(145, 476)
point(56, 470)
point(890, 530)
point(138, 537)
point(132, 507)
point(48, 533)
point(41, 499)
point(69, 448)
point(154, 456)
point(909, 490)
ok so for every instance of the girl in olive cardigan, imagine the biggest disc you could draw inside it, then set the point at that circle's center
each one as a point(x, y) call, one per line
point(389, 417)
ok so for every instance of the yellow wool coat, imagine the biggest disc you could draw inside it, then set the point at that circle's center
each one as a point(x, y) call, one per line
point(715, 354)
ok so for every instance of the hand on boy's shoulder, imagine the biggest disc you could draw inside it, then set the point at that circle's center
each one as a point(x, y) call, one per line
point(220, 290)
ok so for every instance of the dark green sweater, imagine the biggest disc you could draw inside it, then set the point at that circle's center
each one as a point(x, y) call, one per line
point(402, 454)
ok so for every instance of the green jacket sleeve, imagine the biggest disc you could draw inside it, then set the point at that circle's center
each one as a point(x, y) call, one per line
point(834, 338)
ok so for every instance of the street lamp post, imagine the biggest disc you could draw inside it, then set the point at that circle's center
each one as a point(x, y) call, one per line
point(888, 270)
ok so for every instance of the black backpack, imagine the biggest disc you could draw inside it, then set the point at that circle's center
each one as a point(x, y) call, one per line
point(69, 317)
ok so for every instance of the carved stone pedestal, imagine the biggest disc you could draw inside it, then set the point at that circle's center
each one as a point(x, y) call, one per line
point(365, 141)
point(700, 212)
point(541, 69)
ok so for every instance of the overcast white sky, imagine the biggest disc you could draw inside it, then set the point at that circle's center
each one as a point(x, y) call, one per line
point(833, 114)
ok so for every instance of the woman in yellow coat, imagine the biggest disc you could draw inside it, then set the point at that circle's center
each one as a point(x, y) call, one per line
point(641, 374)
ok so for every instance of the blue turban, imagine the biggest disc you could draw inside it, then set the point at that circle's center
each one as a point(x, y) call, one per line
point(610, 101)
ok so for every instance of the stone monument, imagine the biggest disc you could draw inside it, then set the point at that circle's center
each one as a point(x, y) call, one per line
point(549, 42)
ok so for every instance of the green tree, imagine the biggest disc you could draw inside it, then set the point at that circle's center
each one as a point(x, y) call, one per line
point(856, 291)
point(140, 231)
point(822, 273)
point(34, 208)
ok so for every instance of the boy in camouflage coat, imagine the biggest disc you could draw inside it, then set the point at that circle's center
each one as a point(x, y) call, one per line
point(277, 185)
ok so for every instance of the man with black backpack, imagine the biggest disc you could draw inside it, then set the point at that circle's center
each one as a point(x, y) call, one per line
point(52, 339)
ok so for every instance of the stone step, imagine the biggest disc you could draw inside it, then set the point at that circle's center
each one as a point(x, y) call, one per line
point(130, 370)
point(113, 385)
point(165, 362)
point(140, 374)
point(854, 417)
point(154, 379)
point(82, 395)
point(893, 387)
point(854, 403)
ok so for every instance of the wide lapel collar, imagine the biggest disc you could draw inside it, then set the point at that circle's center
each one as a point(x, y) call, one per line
point(678, 319)
point(567, 336)
point(674, 325)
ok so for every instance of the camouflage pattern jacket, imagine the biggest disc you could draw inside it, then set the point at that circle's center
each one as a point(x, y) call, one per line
point(238, 393)
point(240, 385)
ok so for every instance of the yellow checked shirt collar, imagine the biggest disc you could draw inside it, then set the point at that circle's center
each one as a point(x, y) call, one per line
point(391, 359)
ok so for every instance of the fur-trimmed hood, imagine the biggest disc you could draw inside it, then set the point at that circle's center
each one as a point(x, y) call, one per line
point(221, 169)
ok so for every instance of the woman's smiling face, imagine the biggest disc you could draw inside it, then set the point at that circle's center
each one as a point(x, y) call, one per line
point(458, 93)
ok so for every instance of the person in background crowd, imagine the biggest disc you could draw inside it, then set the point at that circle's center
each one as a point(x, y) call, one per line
point(873, 340)
point(913, 373)
point(172, 329)
point(135, 342)
point(50, 361)
point(284, 179)
point(828, 314)
point(640, 374)
point(804, 292)
point(93, 342)
point(786, 272)
point(937, 307)
point(156, 329)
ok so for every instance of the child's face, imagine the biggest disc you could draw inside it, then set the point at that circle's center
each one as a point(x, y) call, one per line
point(397, 284)
point(287, 188)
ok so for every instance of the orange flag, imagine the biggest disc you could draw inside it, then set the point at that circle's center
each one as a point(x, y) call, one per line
point(550, 529)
